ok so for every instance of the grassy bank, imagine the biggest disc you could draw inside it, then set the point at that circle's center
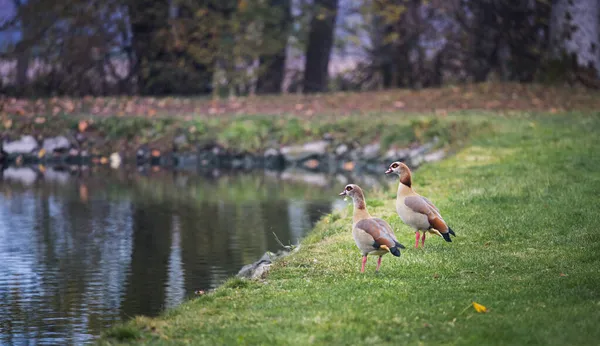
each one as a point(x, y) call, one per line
point(238, 134)
point(124, 123)
point(524, 204)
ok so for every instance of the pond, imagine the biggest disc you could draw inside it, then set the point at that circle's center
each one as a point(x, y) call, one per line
point(81, 250)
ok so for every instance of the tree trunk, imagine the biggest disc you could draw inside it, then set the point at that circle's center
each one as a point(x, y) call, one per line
point(22, 49)
point(320, 42)
point(273, 65)
point(149, 27)
point(574, 32)
point(22, 68)
point(194, 77)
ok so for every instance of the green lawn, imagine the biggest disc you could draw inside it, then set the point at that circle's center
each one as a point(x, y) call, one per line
point(525, 204)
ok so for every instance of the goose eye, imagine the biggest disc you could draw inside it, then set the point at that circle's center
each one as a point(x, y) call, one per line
point(348, 188)
point(395, 165)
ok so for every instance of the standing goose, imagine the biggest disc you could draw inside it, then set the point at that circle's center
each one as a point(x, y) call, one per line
point(415, 210)
point(372, 235)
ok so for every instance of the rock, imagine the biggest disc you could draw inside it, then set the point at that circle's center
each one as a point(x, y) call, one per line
point(80, 137)
point(185, 161)
point(396, 155)
point(341, 179)
point(143, 153)
point(371, 151)
point(355, 154)
point(56, 144)
point(273, 159)
point(341, 149)
point(25, 145)
point(435, 156)
point(318, 147)
point(115, 160)
point(301, 152)
point(271, 152)
point(259, 268)
point(180, 141)
point(256, 269)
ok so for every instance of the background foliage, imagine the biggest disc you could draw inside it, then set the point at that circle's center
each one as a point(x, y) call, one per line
point(243, 47)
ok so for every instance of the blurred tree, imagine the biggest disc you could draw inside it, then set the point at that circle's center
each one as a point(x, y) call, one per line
point(508, 38)
point(575, 40)
point(22, 50)
point(272, 66)
point(230, 38)
point(320, 42)
point(408, 40)
point(150, 30)
point(66, 47)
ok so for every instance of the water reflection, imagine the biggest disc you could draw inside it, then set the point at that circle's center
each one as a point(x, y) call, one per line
point(82, 250)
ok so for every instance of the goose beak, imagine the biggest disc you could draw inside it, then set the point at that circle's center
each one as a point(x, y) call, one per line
point(389, 170)
point(343, 193)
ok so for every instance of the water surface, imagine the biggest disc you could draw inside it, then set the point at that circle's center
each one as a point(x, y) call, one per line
point(83, 250)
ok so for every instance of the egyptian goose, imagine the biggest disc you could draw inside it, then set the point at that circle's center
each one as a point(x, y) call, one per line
point(372, 235)
point(415, 210)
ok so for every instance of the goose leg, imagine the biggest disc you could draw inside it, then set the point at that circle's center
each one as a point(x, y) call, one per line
point(378, 264)
point(417, 237)
point(423, 239)
point(364, 261)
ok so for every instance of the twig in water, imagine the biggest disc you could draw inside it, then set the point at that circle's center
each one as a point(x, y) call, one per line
point(287, 247)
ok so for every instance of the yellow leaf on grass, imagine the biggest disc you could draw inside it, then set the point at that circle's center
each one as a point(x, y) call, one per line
point(479, 307)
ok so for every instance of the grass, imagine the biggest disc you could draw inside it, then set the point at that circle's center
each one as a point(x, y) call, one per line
point(524, 204)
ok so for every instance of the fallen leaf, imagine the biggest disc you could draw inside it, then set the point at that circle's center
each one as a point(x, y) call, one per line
point(348, 166)
point(8, 123)
point(312, 163)
point(399, 104)
point(82, 126)
point(479, 308)
point(441, 112)
point(41, 153)
point(436, 275)
point(40, 120)
point(563, 274)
